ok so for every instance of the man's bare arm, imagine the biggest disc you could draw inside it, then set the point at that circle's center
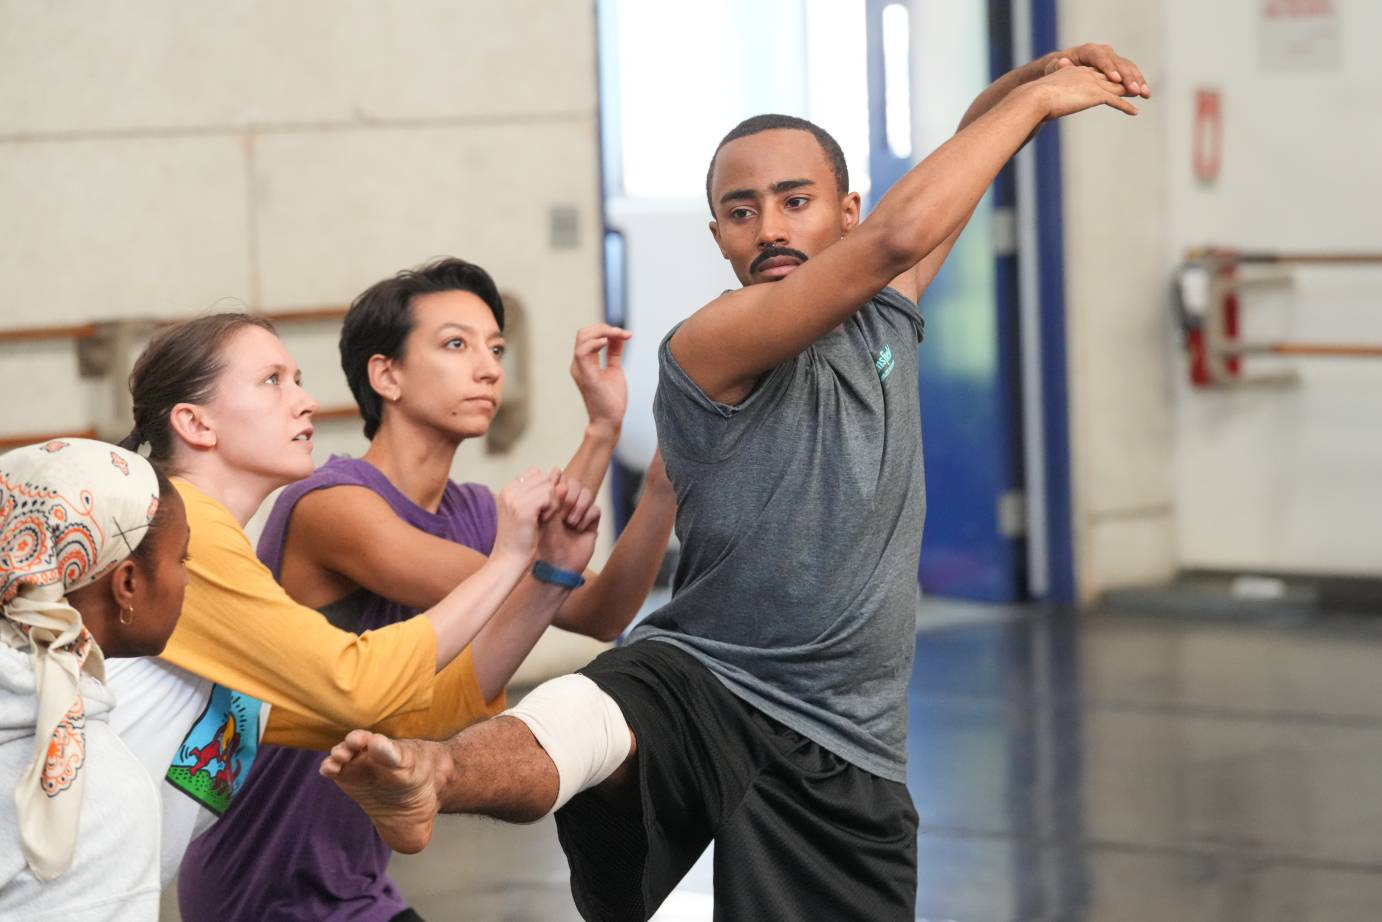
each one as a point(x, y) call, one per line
point(913, 282)
point(605, 605)
point(729, 343)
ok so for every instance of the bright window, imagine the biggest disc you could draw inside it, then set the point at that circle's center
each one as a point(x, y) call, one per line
point(683, 75)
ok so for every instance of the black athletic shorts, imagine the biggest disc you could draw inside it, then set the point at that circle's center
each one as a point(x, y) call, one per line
point(800, 834)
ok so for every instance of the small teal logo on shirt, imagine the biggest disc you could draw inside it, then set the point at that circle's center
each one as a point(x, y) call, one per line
point(884, 363)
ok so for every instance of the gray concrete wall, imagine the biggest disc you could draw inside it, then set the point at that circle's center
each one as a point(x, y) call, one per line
point(163, 157)
point(1118, 322)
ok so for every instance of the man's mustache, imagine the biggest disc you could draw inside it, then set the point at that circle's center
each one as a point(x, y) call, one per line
point(772, 252)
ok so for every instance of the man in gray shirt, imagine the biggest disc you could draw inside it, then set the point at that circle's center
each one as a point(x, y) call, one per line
point(764, 707)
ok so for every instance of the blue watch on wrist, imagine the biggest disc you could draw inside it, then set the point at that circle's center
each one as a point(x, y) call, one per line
point(568, 579)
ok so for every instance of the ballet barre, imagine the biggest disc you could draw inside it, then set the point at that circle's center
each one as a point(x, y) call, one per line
point(103, 351)
point(102, 346)
point(1207, 295)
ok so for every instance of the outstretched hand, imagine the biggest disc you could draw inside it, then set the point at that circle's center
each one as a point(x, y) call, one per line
point(1070, 89)
point(602, 386)
point(1105, 60)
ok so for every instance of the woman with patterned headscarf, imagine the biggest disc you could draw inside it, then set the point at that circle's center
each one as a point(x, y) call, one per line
point(92, 543)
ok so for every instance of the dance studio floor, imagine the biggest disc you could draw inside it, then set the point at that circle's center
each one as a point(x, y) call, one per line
point(1116, 767)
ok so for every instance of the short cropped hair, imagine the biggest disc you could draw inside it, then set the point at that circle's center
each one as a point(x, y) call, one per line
point(761, 123)
point(381, 318)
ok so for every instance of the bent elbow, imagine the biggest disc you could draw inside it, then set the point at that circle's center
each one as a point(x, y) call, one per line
point(354, 710)
point(604, 633)
point(897, 246)
point(359, 700)
point(605, 630)
point(608, 634)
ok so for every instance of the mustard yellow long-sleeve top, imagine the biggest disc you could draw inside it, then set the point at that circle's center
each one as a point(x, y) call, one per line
point(240, 629)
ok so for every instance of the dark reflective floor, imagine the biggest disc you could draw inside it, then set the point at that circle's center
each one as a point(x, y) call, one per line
point(1118, 768)
point(1131, 768)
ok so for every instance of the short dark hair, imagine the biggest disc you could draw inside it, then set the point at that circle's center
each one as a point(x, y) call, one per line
point(179, 365)
point(381, 318)
point(770, 122)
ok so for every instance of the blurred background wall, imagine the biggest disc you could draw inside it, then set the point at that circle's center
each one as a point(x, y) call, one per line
point(1255, 478)
point(1284, 478)
point(1114, 176)
point(161, 159)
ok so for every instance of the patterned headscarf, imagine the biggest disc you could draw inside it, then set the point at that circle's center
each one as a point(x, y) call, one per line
point(70, 510)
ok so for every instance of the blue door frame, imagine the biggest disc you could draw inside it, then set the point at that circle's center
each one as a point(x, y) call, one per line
point(1055, 394)
point(993, 567)
point(972, 422)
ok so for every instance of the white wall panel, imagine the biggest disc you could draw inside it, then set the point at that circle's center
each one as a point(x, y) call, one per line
point(1284, 478)
point(1117, 329)
point(140, 65)
point(338, 212)
point(105, 229)
point(161, 157)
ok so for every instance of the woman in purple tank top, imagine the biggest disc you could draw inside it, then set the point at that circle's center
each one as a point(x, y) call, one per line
point(370, 541)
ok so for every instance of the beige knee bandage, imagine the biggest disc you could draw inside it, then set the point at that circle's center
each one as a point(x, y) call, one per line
point(580, 727)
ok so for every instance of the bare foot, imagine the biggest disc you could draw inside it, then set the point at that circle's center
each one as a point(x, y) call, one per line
point(393, 781)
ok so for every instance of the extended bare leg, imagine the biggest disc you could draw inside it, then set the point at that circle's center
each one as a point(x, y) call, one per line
point(496, 768)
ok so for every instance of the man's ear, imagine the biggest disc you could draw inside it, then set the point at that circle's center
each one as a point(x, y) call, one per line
point(715, 232)
point(384, 378)
point(124, 583)
point(850, 207)
point(191, 424)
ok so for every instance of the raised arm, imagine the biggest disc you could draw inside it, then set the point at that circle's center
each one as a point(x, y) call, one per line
point(467, 609)
point(355, 534)
point(351, 533)
point(471, 686)
point(605, 393)
point(344, 537)
point(608, 601)
point(605, 605)
point(567, 542)
point(1102, 58)
point(347, 536)
point(457, 702)
point(726, 345)
point(242, 630)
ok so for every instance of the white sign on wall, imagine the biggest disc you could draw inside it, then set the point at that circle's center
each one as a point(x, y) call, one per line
point(1300, 34)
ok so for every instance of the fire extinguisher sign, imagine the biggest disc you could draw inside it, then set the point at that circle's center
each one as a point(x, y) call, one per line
point(1208, 139)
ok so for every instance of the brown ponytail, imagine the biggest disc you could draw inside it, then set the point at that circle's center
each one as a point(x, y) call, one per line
point(132, 441)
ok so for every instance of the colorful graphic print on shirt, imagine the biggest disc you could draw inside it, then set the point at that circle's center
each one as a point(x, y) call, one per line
point(215, 757)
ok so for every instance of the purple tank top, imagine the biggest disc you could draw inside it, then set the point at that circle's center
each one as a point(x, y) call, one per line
point(292, 846)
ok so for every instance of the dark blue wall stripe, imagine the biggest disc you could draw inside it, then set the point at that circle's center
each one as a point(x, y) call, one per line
point(1054, 382)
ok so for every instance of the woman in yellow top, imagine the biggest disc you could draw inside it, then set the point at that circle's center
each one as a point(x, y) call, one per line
point(370, 540)
point(220, 404)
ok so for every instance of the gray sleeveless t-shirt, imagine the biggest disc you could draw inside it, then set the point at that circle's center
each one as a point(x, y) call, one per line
point(800, 514)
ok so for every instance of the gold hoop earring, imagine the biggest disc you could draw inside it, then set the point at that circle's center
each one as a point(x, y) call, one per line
point(127, 615)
